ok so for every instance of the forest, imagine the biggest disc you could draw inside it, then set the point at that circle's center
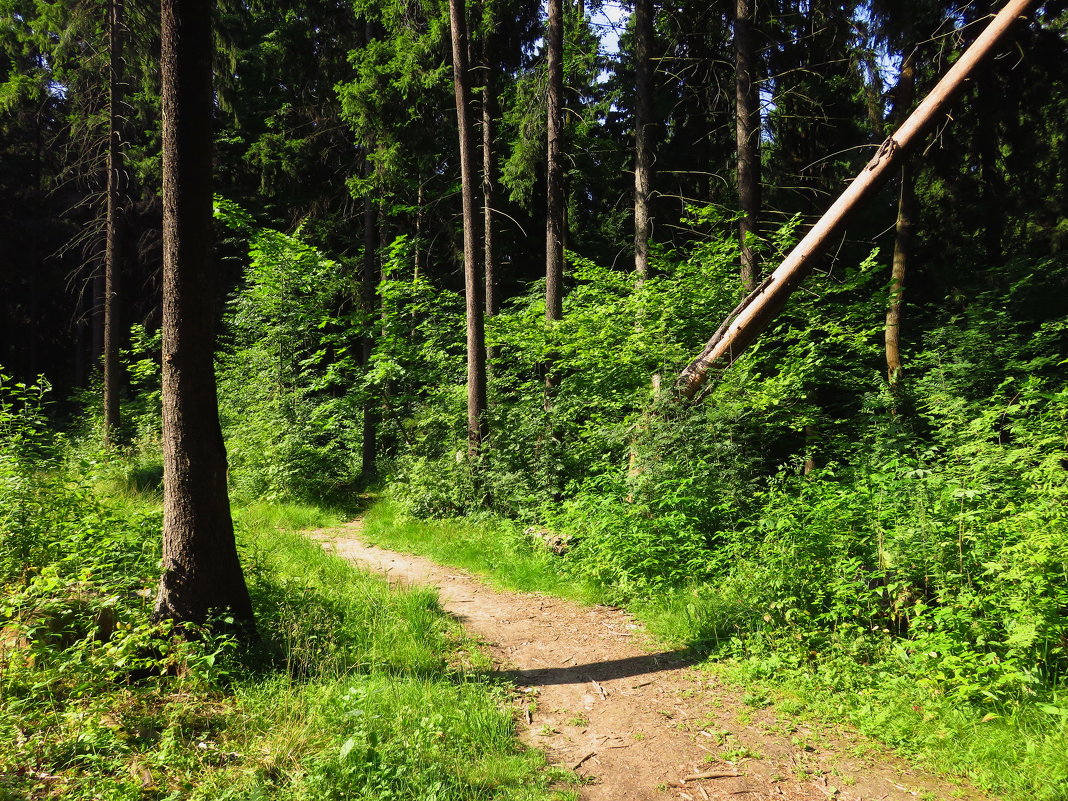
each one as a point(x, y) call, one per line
point(748, 317)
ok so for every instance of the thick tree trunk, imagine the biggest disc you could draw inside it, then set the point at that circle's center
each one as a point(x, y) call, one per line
point(554, 214)
point(473, 286)
point(201, 573)
point(747, 125)
point(757, 310)
point(643, 124)
point(113, 246)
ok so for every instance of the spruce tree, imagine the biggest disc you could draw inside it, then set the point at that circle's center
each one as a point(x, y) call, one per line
point(202, 576)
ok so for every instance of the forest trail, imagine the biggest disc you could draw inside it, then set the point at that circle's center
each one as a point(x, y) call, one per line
point(599, 697)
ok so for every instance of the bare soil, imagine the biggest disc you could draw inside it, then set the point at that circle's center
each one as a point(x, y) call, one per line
point(639, 722)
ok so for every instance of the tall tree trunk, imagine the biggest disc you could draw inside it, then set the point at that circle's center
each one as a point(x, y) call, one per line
point(906, 204)
point(554, 213)
point(988, 103)
point(758, 309)
point(201, 573)
point(34, 343)
point(643, 123)
point(476, 341)
point(902, 246)
point(113, 247)
point(747, 129)
point(33, 362)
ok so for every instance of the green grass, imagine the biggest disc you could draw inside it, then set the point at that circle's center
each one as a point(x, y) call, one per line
point(1020, 752)
point(1017, 753)
point(1017, 750)
point(356, 691)
point(262, 517)
point(493, 548)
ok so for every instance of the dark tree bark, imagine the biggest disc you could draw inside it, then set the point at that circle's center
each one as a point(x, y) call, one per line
point(476, 341)
point(113, 224)
point(989, 101)
point(554, 213)
point(758, 309)
point(643, 124)
point(201, 573)
point(747, 124)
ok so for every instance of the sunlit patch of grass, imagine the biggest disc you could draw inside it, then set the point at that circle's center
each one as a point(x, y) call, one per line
point(698, 616)
point(1018, 751)
point(265, 517)
point(1022, 753)
point(353, 691)
point(493, 548)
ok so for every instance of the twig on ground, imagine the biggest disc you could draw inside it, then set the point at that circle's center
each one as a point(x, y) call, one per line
point(712, 774)
point(578, 764)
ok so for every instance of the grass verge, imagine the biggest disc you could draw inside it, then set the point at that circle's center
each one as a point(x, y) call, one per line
point(1019, 751)
point(494, 548)
point(356, 691)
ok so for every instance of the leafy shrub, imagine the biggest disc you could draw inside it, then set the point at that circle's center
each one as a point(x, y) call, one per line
point(289, 391)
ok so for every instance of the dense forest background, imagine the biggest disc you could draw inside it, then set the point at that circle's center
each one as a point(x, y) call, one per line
point(873, 498)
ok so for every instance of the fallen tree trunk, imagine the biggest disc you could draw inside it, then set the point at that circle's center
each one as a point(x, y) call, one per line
point(756, 311)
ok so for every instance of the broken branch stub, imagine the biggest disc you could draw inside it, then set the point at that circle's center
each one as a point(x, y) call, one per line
point(756, 311)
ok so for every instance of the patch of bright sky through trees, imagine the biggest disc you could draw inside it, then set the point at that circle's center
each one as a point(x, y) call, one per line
point(609, 19)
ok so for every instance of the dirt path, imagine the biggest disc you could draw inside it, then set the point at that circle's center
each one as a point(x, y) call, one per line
point(599, 697)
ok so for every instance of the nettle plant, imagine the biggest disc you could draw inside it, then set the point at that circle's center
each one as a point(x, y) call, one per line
point(290, 388)
point(938, 541)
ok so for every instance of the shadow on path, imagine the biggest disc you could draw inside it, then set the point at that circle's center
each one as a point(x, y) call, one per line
point(601, 671)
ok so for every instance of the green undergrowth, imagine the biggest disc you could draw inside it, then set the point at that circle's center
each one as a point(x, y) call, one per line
point(917, 703)
point(354, 690)
point(1018, 752)
point(496, 548)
